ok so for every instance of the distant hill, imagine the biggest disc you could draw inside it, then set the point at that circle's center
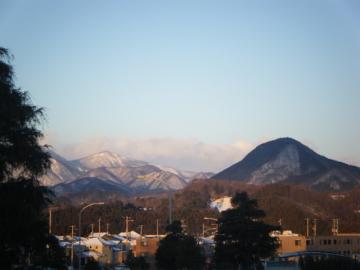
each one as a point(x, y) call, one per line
point(107, 171)
point(289, 203)
point(289, 161)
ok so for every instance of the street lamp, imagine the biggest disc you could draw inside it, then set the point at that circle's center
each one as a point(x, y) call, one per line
point(50, 217)
point(82, 210)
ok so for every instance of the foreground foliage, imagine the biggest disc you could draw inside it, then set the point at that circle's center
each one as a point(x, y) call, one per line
point(243, 238)
point(23, 227)
point(136, 263)
point(178, 250)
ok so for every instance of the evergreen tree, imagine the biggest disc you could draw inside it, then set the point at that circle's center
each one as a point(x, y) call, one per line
point(136, 263)
point(54, 255)
point(23, 227)
point(243, 238)
point(178, 251)
point(92, 265)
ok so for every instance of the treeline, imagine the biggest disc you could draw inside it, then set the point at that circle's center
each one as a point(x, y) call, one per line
point(285, 204)
point(112, 217)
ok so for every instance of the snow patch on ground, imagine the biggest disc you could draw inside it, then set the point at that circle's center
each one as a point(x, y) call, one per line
point(221, 204)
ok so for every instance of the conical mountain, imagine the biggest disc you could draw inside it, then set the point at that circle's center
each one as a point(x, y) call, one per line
point(288, 160)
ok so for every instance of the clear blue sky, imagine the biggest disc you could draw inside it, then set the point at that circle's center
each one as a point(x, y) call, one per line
point(214, 71)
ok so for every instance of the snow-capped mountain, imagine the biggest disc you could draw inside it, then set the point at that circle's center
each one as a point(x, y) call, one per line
point(62, 171)
point(113, 169)
point(287, 160)
point(188, 176)
point(108, 160)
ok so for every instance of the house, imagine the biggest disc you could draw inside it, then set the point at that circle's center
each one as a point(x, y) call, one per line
point(289, 242)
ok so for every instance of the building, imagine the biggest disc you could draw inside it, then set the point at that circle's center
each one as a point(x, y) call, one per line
point(146, 246)
point(341, 243)
point(290, 242)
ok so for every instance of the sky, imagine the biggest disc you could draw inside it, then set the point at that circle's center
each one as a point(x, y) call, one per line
point(190, 84)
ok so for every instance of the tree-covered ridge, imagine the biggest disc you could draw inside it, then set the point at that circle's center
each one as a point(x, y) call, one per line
point(290, 203)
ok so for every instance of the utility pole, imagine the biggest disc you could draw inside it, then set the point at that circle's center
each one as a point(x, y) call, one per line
point(141, 229)
point(307, 227)
point(72, 246)
point(50, 220)
point(107, 228)
point(335, 226)
point(314, 227)
point(92, 229)
point(157, 228)
point(203, 230)
point(127, 220)
point(126, 225)
point(183, 226)
point(170, 207)
point(99, 221)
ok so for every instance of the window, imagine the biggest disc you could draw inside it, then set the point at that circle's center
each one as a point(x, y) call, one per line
point(297, 242)
point(334, 241)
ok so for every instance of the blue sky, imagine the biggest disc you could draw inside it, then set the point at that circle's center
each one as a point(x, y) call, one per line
point(212, 77)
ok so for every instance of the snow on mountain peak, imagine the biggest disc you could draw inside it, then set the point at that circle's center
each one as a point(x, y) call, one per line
point(107, 159)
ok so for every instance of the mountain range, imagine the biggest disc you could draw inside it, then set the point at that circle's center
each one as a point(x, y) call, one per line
point(108, 171)
point(283, 160)
point(289, 161)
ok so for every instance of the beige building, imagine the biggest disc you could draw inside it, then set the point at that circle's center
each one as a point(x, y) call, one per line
point(341, 243)
point(290, 242)
point(146, 246)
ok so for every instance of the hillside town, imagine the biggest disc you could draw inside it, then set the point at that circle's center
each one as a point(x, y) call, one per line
point(179, 135)
point(111, 250)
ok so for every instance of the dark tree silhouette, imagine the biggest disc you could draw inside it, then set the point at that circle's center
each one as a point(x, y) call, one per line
point(23, 229)
point(92, 265)
point(136, 263)
point(178, 251)
point(243, 238)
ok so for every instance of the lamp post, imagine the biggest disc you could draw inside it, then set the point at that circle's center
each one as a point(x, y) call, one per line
point(81, 211)
point(50, 217)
